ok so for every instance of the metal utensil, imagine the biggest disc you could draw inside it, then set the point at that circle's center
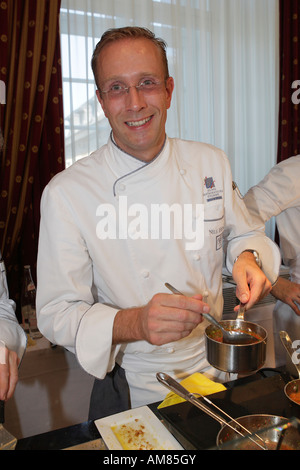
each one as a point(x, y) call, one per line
point(7, 440)
point(229, 336)
point(193, 398)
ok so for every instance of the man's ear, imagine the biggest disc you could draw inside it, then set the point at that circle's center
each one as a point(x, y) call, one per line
point(169, 88)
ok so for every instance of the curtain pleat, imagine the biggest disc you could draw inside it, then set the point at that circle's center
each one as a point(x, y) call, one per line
point(32, 123)
point(289, 113)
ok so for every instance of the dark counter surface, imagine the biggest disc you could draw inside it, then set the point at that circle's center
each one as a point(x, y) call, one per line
point(259, 393)
point(255, 395)
point(61, 438)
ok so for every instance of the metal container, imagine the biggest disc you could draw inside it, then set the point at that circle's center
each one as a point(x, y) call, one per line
point(236, 358)
point(274, 430)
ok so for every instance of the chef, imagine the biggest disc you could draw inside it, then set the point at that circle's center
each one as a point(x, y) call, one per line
point(278, 195)
point(143, 210)
point(12, 336)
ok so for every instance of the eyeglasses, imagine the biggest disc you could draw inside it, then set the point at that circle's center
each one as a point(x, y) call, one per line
point(146, 86)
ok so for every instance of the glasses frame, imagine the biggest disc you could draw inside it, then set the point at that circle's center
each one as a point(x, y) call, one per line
point(141, 86)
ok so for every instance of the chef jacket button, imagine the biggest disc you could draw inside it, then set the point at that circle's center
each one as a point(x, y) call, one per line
point(170, 350)
point(196, 256)
point(121, 187)
point(182, 172)
point(145, 273)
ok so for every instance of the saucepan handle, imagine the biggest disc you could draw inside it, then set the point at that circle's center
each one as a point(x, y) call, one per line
point(241, 312)
point(177, 388)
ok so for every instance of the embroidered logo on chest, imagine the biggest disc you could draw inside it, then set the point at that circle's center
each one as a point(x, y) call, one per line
point(211, 193)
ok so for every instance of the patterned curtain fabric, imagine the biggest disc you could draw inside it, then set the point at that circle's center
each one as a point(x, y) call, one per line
point(32, 124)
point(289, 117)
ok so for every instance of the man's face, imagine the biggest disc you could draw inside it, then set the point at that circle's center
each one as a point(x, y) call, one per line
point(136, 118)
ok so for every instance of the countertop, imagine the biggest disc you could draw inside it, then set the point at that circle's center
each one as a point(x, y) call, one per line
point(259, 393)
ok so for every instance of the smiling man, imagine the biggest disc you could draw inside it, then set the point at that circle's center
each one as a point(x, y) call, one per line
point(104, 298)
point(135, 94)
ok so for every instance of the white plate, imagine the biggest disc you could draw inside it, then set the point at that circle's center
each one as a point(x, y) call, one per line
point(136, 429)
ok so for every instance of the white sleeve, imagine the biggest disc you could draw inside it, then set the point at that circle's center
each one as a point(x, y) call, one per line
point(246, 233)
point(11, 333)
point(94, 349)
point(68, 313)
point(278, 190)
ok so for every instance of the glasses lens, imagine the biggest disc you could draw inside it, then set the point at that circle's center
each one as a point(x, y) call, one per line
point(117, 90)
point(146, 86)
point(149, 86)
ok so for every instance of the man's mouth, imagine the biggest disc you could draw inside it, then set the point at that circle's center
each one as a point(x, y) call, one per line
point(138, 123)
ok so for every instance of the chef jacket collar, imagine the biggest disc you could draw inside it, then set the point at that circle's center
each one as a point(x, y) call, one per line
point(135, 160)
point(125, 164)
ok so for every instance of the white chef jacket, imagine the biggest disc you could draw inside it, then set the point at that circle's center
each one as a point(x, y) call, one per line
point(278, 195)
point(12, 334)
point(83, 280)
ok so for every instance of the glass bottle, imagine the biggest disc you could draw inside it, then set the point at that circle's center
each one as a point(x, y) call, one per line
point(28, 305)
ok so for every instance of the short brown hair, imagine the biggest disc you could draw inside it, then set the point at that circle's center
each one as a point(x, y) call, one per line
point(128, 32)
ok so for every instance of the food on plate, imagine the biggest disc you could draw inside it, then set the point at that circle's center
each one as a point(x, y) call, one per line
point(134, 435)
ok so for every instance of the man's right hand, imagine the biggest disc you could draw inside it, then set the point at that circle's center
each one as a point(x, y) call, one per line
point(166, 318)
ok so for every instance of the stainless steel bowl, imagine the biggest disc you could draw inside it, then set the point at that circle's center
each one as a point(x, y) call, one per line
point(268, 427)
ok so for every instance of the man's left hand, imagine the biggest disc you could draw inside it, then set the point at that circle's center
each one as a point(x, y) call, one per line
point(251, 283)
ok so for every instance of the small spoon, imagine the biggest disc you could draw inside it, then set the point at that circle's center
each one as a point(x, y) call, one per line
point(229, 336)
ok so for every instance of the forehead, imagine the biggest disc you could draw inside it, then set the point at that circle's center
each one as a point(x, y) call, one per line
point(129, 56)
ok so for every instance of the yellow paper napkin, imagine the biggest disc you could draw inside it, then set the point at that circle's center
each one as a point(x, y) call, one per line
point(30, 341)
point(195, 383)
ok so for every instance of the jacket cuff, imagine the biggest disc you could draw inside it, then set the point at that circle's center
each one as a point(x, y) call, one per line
point(93, 341)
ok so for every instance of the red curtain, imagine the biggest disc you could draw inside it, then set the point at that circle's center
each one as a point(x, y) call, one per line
point(289, 119)
point(32, 124)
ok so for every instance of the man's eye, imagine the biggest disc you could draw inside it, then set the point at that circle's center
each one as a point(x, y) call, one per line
point(147, 82)
point(117, 87)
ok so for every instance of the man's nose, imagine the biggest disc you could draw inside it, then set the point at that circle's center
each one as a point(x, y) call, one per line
point(135, 99)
